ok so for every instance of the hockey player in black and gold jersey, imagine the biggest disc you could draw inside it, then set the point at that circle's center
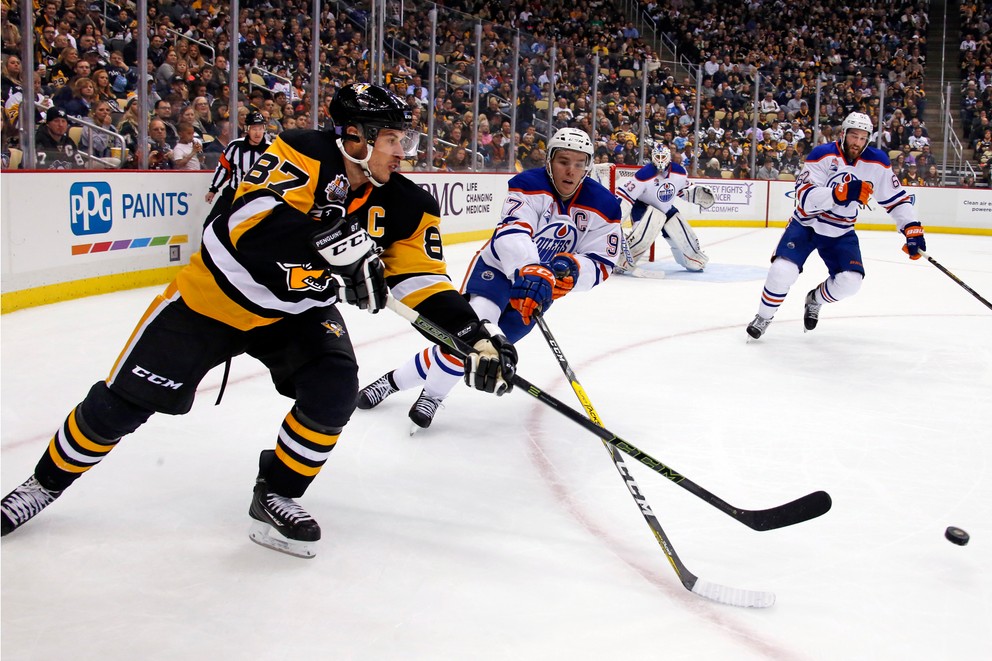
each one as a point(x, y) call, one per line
point(321, 216)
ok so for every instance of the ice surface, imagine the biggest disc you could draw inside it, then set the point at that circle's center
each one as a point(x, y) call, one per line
point(503, 531)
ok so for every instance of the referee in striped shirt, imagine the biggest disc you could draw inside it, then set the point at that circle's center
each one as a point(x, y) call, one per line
point(236, 161)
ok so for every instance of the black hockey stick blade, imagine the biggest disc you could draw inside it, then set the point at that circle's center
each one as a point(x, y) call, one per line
point(802, 509)
point(713, 591)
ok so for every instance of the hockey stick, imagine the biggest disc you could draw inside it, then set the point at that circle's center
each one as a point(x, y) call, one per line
point(802, 509)
point(956, 279)
point(701, 587)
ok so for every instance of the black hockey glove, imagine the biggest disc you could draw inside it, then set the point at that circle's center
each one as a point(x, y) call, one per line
point(493, 363)
point(354, 260)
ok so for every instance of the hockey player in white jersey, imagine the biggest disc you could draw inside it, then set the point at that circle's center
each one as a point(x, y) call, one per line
point(648, 201)
point(560, 232)
point(836, 181)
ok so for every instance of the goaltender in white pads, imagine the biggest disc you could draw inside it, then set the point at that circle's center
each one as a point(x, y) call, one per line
point(648, 201)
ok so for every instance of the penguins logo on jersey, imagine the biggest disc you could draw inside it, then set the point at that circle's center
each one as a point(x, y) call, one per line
point(666, 191)
point(304, 277)
point(333, 327)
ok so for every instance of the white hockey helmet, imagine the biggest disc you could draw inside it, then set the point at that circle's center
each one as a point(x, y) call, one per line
point(856, 120)
point(574, 140)
point(661, 156)
point(569, 138)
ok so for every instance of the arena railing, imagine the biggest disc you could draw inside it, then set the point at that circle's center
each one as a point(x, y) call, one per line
point(111, 163)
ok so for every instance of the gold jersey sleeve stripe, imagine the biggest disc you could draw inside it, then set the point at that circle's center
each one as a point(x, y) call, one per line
point(201, 293)
point(249, 215)
point(418, 296)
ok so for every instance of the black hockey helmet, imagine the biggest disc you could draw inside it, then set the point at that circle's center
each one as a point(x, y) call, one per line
point(371, 108)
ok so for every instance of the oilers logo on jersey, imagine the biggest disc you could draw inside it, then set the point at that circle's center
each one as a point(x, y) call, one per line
point(666, 191)
point(839, 178)
point(555, 238)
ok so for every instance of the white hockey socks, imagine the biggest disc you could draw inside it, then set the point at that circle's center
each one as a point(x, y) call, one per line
point(782, 274)
point(435, 372)
point(835, 288)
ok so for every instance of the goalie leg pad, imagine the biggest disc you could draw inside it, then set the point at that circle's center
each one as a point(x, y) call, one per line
point(684, 244)
point(642, 235)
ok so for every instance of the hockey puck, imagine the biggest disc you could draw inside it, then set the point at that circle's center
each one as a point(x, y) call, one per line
point(956, 536)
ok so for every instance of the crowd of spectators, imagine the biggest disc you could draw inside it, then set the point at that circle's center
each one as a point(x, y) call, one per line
point(87, 64)
point(87, 67)
point(975, 60)
point(851, 53)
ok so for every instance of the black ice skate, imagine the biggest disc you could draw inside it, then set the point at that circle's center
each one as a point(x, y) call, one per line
point(23, 503)
point(811, 314)
point(758, 326)
point(280, 523)
point(372, 395)
point(422, 412)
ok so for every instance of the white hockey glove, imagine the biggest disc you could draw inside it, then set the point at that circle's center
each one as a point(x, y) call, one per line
point(354, 260)
point(493, 363)
point(701, 195)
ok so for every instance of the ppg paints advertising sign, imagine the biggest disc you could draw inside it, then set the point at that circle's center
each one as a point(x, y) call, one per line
point(92, 206)
point(90, 224)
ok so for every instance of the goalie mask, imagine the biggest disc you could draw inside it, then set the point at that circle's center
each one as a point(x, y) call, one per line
point(661, 157)
point(856, 120)
point(573, 140)
point(371, 108)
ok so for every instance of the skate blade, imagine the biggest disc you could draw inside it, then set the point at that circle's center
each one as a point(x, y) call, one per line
point(414, 428)
point(265, 535)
